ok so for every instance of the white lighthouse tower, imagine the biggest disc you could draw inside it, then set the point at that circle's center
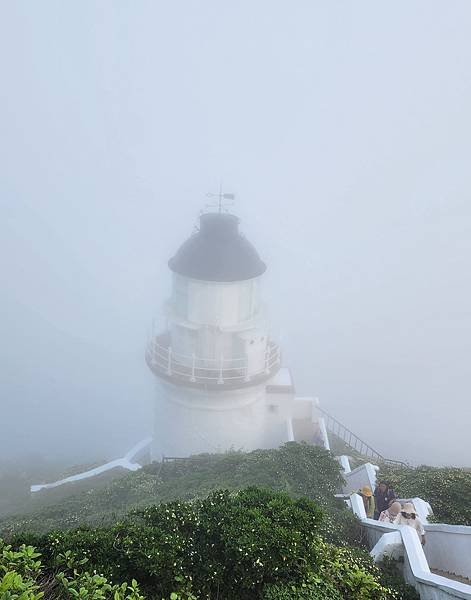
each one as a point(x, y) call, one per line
point(219, 383)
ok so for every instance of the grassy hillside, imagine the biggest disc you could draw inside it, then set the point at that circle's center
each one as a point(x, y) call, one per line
point(17, 477)
point(193, 529)
point(298, 469)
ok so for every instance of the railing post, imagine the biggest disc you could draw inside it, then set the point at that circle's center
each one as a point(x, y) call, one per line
point(192, 378)
point(169, 361)
point(220, 379)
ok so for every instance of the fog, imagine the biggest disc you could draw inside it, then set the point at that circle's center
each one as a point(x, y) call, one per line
point(343, 129)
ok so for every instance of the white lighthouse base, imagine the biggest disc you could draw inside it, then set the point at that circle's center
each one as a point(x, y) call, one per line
point(194, 421)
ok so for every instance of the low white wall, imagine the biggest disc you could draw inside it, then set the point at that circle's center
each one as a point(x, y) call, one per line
point(345, 463)
point(416, 570)
point(448, 548)
point(362, 475)
point(125, 463)
point(324, 434)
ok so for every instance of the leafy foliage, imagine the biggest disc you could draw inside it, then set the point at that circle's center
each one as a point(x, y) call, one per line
point(19, 570)
point(23, 577)
point(448, 490)
point(252, 544)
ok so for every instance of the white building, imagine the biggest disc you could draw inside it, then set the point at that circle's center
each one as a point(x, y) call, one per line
point(220, 380)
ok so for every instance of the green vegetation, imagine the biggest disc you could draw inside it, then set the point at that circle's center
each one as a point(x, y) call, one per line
point(299, 469)
point(252, 544)
point(23, 577)
point(448, 490)
point(258, 525)
point(17, 477)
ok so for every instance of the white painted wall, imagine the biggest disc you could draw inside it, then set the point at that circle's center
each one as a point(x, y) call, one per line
point(416, 570)
point(363, 475)
point(127, 462)
point(357, 506)
point(324, 434)
point(191, 421)
point(389, 545)
point(345, 464)
point(448, 548)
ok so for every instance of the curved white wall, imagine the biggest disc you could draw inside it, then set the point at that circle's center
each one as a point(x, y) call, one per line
point(191, 421)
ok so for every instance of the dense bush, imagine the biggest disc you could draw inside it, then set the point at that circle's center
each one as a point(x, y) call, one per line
point(23, 577)
point(252, 544)
point(312, 589)
point(448, 490)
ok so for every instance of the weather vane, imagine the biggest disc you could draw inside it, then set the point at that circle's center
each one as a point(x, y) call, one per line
point(221, 196)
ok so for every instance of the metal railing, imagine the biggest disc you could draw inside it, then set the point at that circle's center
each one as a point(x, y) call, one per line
point(163, 361)
point(353, 441)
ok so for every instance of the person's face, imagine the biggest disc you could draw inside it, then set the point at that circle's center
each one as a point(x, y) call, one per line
point(383, 487)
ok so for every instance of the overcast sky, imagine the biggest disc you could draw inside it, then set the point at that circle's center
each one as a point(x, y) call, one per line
point(344, 130)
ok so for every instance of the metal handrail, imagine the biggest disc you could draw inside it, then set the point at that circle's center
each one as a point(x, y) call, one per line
point(353, 441)
point(183, 358)
point(164, 361)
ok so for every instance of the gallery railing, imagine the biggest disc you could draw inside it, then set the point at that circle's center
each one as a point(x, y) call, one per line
point(163, 361)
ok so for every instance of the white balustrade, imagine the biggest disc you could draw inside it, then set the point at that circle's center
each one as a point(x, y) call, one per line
point(163, 360)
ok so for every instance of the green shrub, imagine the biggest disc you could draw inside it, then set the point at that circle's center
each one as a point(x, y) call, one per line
point(19, 570)
point(23, 577)
point(227, 544)
point(305, 591)
point(252, 544)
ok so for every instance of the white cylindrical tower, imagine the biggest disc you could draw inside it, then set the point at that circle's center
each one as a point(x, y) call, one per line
point(213, 359)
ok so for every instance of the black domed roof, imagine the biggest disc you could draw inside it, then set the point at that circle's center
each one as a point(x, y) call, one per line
point(217, 252)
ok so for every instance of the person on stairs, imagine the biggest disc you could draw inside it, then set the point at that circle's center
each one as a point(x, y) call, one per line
point(368, 501)
point(408, 516)
point(384, 497)
point(388, 515)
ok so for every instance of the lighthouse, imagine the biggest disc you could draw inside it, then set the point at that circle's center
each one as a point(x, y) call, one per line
point(220, 384)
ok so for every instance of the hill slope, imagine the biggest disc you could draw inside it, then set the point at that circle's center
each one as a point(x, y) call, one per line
point(298, 469)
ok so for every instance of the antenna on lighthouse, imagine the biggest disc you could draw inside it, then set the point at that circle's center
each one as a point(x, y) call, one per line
point(221, 197)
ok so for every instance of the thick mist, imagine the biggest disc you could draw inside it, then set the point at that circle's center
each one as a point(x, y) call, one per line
point(343, 129)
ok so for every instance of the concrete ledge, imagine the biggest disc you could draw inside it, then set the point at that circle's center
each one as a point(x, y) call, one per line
point(416, 569)
point(389, 545)
point(448, 548)
point(363, 475)
point(444, 528)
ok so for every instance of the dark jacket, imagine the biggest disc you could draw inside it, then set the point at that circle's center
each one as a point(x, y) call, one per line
point(382, 499)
